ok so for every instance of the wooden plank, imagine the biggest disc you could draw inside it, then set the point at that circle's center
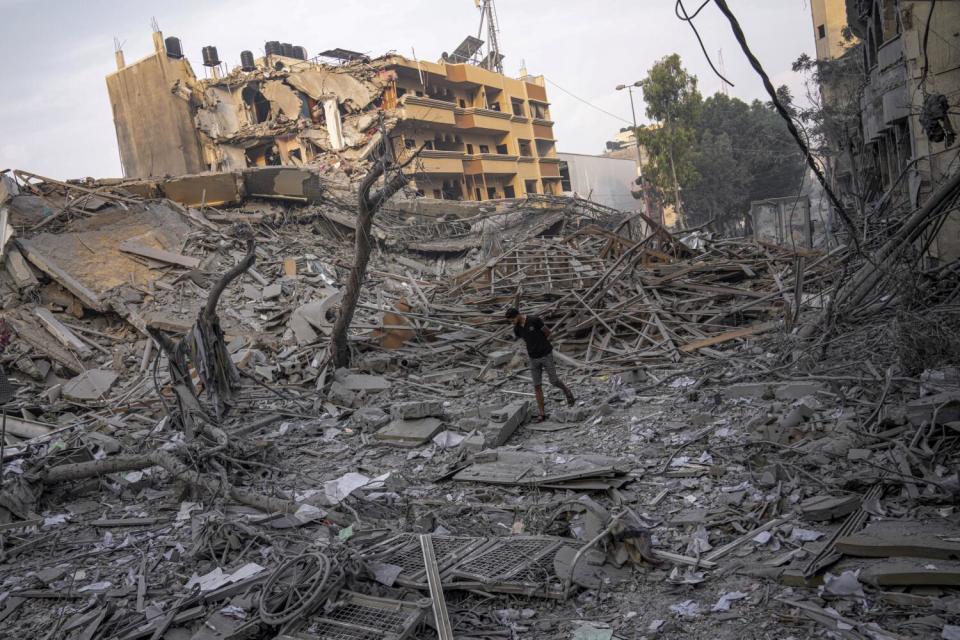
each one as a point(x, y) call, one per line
point(903, 538)
point(60, 331)
point(28, 428)
point(129, 246)
point(71, 284)
point(728, 336)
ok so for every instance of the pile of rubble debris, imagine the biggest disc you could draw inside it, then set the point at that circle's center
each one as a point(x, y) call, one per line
point(181, 459)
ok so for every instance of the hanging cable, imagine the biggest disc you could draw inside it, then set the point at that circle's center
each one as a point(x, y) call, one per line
point(589, 104)
point(926, 59)
point(791, 126)
point(681, 12)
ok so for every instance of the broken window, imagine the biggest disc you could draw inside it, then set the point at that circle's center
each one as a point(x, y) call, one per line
point(400, 92)
point(525, 149)
point(479, 196)
point(428, 144)
point(517, 106)
point(257, 106)
point(484, 149)
point(409, 143)
point(821, 32)
point(530, 186)
point(502, 149)
point(509, 192)
point(463, 103)
point(470, 149)
point(491, 193)
point(565, 177)
point(437, 195)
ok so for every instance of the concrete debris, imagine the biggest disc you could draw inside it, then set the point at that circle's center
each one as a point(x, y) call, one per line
point(169, 476)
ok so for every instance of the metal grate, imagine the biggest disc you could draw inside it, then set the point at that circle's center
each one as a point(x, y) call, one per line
point(331, 631)
point(352, 613)
point(505, 559)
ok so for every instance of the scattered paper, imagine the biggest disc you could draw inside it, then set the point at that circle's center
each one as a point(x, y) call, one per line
point(804, 535)
point(846, 584)
point(217, 578)
point(448, 439)
point(53, 521)
point(384, 573)
point(338, 490)
point(308, 513)
point(686, 609)
point(723, 604)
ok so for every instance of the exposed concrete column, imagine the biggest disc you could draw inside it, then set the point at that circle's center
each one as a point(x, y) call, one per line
point(334, 125)
point(158, 44)
point(118, 55)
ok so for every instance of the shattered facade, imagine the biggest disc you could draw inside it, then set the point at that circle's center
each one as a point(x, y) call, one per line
point(906, 145)
point(480, 135)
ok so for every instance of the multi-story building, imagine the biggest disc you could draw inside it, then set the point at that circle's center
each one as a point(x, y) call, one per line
point(911, 82)
point(481, 135)
point(830, 28)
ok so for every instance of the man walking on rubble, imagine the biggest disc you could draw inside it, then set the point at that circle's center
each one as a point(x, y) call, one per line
point(540, 352)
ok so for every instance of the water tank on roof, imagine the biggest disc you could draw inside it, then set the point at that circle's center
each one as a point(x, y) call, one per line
point(247, 62)
point(300, 53)
point(210, 57)
point(173, 47)
point(286, 49)
point(273, 48)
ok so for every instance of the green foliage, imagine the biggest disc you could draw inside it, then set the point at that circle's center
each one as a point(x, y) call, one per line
point(755, 158)
point(672, 99)
point(726, 152)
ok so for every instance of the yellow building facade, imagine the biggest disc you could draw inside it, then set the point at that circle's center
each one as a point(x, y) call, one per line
point(481, 135)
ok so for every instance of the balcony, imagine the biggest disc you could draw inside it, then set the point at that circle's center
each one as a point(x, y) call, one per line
point(469, 74)
point(491, 164)
point(536, 92)
point(439, 162)
point(550, 167)
point(542, 131)
point(427, 110)
point(483, 120)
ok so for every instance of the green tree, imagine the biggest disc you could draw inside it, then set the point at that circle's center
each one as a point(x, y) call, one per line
point(674, 103)
point(744, 153)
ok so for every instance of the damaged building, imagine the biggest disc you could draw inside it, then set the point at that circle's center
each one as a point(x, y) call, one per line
point(480, 134)
point(890, 70)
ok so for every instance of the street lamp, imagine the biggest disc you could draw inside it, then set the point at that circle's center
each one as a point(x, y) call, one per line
point(633, 112)
point(636, 140)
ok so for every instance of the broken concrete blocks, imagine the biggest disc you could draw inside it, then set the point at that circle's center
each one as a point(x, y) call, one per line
point(409, 433)
point(503, 422)
point(415, 410)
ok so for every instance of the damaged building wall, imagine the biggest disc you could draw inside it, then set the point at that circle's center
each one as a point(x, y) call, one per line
point(481, 135)
point(604, 180)
point(906, 130)
point(155, 129)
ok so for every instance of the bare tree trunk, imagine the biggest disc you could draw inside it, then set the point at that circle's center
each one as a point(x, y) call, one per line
point(368, 205)
point(180, 471)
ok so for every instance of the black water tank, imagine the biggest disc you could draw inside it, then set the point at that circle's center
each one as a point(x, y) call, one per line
point(210, 58)
point(273, 48)
point(247, 62)
point(286, 49)
point(300, 53)
point(173, 47)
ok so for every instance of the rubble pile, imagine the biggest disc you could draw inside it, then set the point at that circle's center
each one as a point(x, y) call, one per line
point(181, 460)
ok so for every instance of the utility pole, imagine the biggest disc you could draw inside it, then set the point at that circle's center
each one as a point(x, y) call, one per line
point(633, 112)
point(636, 140)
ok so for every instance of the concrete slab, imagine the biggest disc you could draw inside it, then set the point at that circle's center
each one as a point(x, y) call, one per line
point(415, 410)
point(409, 433)
point(89, 385)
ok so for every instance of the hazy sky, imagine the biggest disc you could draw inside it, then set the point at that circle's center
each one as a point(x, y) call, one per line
point(55, 117)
